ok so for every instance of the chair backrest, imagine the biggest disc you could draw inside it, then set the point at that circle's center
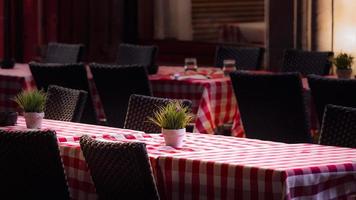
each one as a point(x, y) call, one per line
point(64, 104)
point(31, 167)
point(331, 91)
point(119, 170)
point(72, 76)
point(115, 84)
point(129, 54)
point(307, 62)
point(272, 106)
point(247, 58)
point(339, 127)
point(141, 107)
point(63, 53)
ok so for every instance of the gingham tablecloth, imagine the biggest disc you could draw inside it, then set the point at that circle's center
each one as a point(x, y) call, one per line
point(217, 167)
point(13, 81)
point(213, 99)
point(20, 78)
point(284, 171)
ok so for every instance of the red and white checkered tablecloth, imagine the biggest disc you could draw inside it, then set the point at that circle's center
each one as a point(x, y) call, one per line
point(12, 81)
point(213, 99)
point(284, 171)
point(217, 167)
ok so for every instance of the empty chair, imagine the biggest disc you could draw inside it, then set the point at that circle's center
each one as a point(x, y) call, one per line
point(64, 104)
point(31, 167)
point(141, 107)
point(63, 53)
point(72, 76)
point(247, 58)
point(272, 106)
point(307, 62)
point(129, 54)
point(115, 84)
point(339, 127)
point(119, 170)
point(331, 91)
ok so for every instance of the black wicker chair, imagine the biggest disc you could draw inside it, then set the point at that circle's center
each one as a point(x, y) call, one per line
point(115, 84)
point(72, 76)
point(63, 53)
point(119, 170)
point(307, 62)
point(129, 54)
point(141, 107)
point(272, 106)
point(64, 104)
point(31, 167)
point(331, 91)
point(339, 127)
point(247, 58)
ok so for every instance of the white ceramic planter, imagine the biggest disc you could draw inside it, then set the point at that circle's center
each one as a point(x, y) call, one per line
point(174, 138)
point(344, 73)
point(34, 120)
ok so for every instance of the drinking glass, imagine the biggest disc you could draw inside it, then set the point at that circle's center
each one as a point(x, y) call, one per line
point(190, 64)
point(229, 66)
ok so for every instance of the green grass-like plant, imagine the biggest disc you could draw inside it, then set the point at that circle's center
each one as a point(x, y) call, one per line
point(31, 101)
point(343, 61)
point(172, 116)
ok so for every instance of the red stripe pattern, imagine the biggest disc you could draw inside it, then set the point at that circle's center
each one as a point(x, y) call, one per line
point(217, 167)
point(213, 99)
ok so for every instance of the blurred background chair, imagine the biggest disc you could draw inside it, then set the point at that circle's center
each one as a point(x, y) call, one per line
point(339, 126)
point(141, 107)
point(129, 54)
point(119, 170)
point(115, 84)
point(331, 91)
point(247, 58)
point(307, 62)
point(31, 166)
point(272, 106)
point(64, 104)
point(63, 53)
point(72, 76)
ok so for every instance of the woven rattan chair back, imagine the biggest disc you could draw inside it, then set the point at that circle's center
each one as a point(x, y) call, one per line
point(247, 58)
point(115, 84)
point(63, 53)
point(339, 127)
point(331, 91)
point(72, 76)
point(64, 104)
point(141, 107)
point(307, 62)
point(119, 170)
point(31, 167)
point(129, 54)
point(272, 106)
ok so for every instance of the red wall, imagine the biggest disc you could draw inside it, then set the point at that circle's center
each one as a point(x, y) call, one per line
point(1, 28)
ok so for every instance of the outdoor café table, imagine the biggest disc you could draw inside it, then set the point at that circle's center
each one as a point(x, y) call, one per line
point(213, 98)
point(217, 167)
point(20, 78)
point(11, 82)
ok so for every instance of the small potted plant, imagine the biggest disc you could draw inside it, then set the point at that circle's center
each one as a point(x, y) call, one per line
point(32, 103)
point(173, 119)
point(343, 63)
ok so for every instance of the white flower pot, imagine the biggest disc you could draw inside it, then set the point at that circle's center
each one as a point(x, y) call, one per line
point(174, 137)
point(33, 120)
point(344, 73)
